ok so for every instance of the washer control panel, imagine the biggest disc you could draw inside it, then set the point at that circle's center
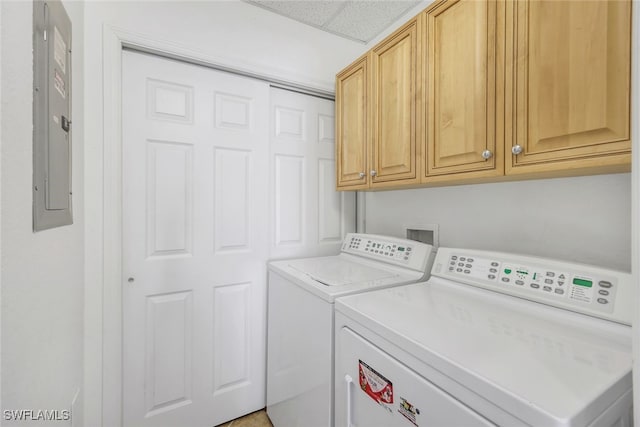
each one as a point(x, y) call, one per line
point(396, 251)
point(576, 287)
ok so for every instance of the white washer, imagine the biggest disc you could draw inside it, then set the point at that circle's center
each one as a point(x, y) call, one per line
point(300, 346)
point(532, 342)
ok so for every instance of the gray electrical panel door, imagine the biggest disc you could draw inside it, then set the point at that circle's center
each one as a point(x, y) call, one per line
point(51, 116)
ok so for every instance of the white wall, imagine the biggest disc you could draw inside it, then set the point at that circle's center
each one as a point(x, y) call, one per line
point(583, 219)
point(228, 33)
point(233, 34)
point(41, 273)
point(635, 215)
point(1, 50)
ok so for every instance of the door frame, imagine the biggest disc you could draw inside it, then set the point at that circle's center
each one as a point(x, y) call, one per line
point(103, 245)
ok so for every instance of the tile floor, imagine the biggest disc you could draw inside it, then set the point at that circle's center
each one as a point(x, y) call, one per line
point(255, 419)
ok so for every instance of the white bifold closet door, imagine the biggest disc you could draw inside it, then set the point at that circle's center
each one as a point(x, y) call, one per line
point(195, 243)
point(206, 202)
point(309, 218)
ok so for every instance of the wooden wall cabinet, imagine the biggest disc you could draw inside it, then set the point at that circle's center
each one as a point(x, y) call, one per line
point(352, 126)
point(487, 90)
point(464, 74)
point(395, 87)
point(376, 110)
point(568, 87)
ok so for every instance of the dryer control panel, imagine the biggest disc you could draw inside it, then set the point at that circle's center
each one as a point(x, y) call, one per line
point(402, 252)
point(587, 289)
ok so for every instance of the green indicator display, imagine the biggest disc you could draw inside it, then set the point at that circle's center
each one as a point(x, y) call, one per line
point(400, 248)
point(507, 271)
point(582, 282)
point(523, 272)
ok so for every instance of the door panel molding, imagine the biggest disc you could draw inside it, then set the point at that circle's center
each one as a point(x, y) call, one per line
point(103, 267)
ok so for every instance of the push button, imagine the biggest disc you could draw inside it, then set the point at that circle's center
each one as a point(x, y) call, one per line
point(603, 301)
point(604, 284)
point(603, 292)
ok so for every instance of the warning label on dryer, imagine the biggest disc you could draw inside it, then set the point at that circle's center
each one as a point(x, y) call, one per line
point(375, 384)
point(408, 411)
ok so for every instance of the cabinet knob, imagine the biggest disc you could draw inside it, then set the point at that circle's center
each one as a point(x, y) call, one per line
point(516, 149)
point(373, 173)
point(361, 175)
point(486, 154)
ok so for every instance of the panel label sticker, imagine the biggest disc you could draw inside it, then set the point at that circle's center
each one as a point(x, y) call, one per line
point(58, 82)
point(375, 384)
point(59, 50)
point(408, 411)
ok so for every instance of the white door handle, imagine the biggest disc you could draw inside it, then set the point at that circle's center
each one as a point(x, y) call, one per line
point(349, 380)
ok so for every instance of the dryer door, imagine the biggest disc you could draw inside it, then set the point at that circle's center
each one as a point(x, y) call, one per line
point(380, 391)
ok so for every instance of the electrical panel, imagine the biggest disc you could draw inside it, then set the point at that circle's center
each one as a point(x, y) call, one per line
point(52, 196)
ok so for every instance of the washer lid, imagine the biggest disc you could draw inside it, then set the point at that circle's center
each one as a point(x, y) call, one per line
point(337, 271)
point(544, 365)
point(344, 274)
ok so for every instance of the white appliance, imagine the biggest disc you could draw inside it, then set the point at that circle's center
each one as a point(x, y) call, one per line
point(490, 339)
point(300, 346)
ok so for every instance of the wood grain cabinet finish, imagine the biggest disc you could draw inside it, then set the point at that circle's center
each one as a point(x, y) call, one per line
point(569, 85)
point(352, 103)
point(395, 148)
point(463, 97)
point(488, 90)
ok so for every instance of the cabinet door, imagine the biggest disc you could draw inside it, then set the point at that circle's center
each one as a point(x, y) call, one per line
point(463, 96)
point(570, 84)
point(394, 76)
point(351, 126)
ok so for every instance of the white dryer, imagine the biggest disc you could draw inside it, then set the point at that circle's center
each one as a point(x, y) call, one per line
point(300, 343)
point(490, 339)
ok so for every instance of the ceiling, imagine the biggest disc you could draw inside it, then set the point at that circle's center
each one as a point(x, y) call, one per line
point(359, 20)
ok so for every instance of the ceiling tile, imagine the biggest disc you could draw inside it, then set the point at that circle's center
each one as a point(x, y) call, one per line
point(363, 20)
point(315, 12)
point(359, 20)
